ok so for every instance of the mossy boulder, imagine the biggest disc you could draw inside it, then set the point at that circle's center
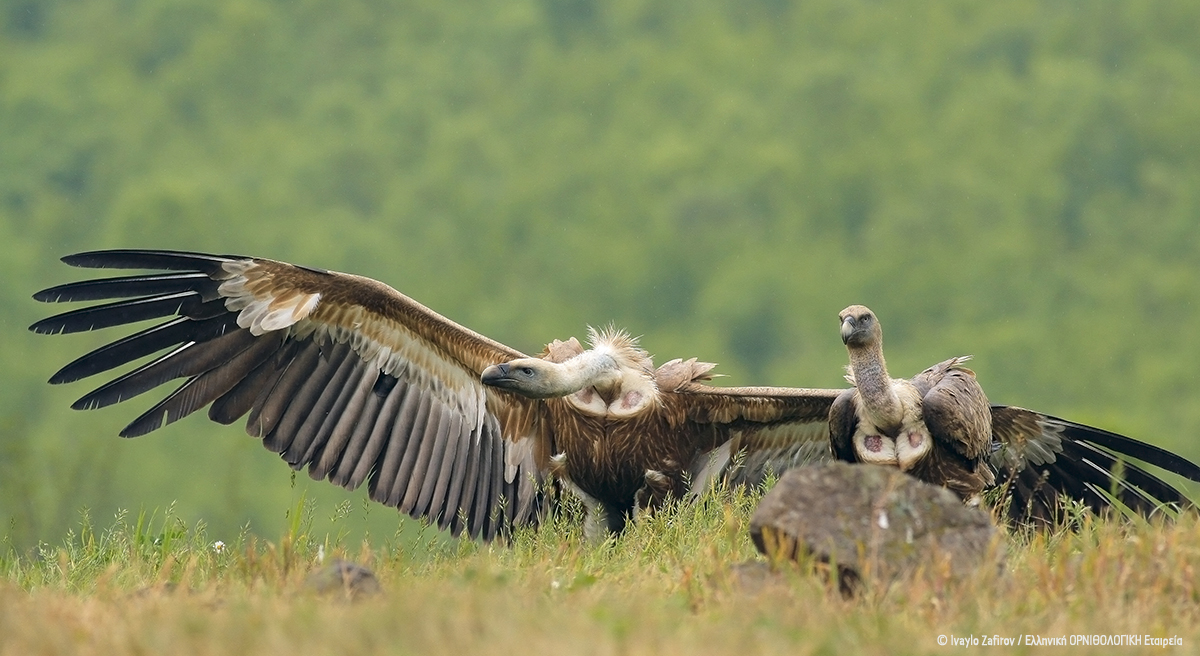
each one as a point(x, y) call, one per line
point(874, 523)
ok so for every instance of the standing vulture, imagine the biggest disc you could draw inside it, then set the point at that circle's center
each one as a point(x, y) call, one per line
point(940, 427)
point(359, 383)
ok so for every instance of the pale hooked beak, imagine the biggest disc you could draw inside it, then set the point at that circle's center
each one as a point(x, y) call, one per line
point(496, 375)
point(847, 329)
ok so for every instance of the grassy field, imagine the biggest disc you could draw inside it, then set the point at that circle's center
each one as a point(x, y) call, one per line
point(673, 584)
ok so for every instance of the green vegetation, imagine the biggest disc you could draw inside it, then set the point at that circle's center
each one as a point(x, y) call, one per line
point(1016, 181)
point(670, 585)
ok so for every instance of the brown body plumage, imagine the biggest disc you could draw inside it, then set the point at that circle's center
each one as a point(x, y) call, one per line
point(628, 436)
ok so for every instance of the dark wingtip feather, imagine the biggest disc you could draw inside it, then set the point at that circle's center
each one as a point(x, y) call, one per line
point(189, 359)
point(1128, 446)
point(96, 317)
point(150, 340)
point(130, 286)
point(148, 259)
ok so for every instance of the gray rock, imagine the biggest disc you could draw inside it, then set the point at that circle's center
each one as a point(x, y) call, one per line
point(348, 579)
point(875, 523)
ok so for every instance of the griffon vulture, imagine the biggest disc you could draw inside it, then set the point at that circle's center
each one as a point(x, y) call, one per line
point(356, 382)
point(940, 427)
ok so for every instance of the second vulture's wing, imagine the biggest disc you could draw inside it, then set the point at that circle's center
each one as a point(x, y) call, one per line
point(337, 373)
point(1041, 458)
point(747, 433)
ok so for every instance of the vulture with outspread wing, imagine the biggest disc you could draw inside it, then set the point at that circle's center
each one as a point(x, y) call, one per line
point(940, 427)
point(356, 382)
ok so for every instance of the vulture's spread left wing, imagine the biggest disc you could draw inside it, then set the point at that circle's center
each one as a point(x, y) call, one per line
point(747, 433)
point(337, 373)
point(1040, 457)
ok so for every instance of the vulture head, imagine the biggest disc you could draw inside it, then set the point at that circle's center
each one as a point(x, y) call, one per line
point(613, 377)
point(860, 328)
point(536, 378)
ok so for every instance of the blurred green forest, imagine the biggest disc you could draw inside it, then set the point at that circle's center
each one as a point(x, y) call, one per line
point(1019, 181)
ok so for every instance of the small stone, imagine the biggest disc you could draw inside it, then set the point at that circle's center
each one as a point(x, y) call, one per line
point(755, 577)
point(349, 579)
point(876, 523)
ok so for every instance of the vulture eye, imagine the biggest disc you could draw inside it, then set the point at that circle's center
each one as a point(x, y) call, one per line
point(527, 372)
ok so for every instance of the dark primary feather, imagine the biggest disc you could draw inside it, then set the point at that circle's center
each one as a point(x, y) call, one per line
point(1148, 453)
point(1131, 484)
point(149, 259)
point(130, 286)
point(190, 359)
point(240, 400)
point(842, 423)
point(187, 303)
point(276, 397)
point(204, 388)
point(143, 343)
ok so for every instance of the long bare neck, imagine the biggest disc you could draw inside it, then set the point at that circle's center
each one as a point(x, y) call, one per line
point(875, 386)
point(589, 369)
